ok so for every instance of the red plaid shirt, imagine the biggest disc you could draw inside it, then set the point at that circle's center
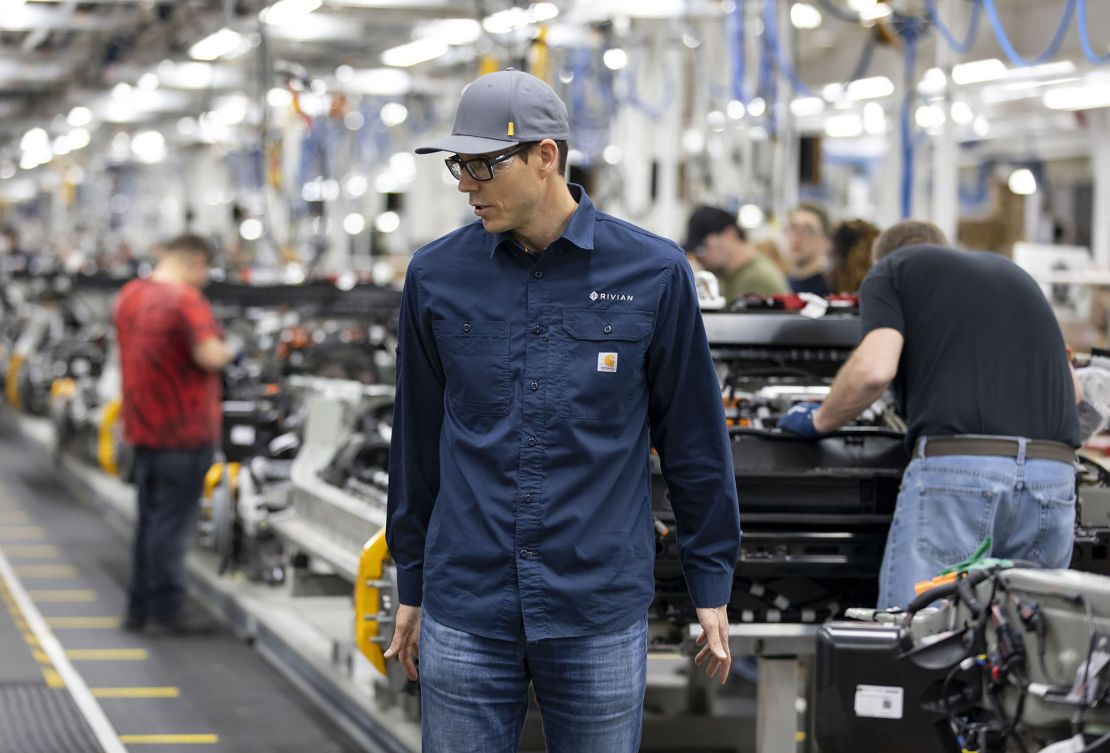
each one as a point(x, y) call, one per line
point(168, 401)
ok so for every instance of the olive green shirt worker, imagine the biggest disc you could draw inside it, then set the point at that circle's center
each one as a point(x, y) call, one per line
point(722, 247)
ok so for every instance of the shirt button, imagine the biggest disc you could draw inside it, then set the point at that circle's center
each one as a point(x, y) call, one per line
point(538, 275)
point(466, 328)
point(531, 441)
point(537, 330)
point(607, 328)
point(534, 386)
point(528, 498)
point(525, 554)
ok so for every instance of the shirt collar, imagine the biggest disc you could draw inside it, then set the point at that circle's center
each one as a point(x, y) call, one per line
point(579, 231)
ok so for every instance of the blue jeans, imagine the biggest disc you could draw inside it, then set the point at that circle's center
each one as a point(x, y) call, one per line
point(169, 483)
point(949, 504)
point(474, 691)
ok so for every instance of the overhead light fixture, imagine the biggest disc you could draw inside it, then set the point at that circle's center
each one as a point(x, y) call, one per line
point(750, 216)
point(414, 53)
point(847, 125)
point(35, 139)
point(354, 120)
point(615, 59)
point(874, 119)
point(122, 90)
point(251, 229)
point(148, 81)
point(78, 139)
point(279, 98)
point(354, 223)
point(875, 12)
point(981, 127)
point(388, 222)
point(933, 82)
point(344, 74)
point(79, 117)
point(961, 113)
point(216, 45)
point(929, 117)
point(285, 12)
point(356, 186)
point(453, 31)
point(189, 75)
point(978, 71)
point(805, 16)
point(735, 110)
point(1023, 182)
point(231, 110)
point(693, 141)
point(381, 82)
point(61, 146)
point(806, 106)
point(757, 107)
point(511, 19)
point(870, 88)
point(612, 155)
point(149, 147)
point(1077, 97)
point(393, 114)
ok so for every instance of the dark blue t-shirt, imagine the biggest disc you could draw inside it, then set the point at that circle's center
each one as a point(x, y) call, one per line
point(817, 285)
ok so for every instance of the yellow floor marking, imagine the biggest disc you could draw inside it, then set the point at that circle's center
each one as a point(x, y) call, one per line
point(166, 692)
point(30, 639)
point(45, 571)
point(83, 623)
point(63, 595)
point(21, 533)
point(799, 736)
point(169, 739)
point(53, 679)
point(30, 551)
point(40, 656)
point(107, 654)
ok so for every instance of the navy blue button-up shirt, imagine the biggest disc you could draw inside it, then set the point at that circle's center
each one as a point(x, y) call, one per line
point(530, 389)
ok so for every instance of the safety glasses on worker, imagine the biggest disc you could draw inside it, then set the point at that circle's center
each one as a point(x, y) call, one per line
point(481, 168)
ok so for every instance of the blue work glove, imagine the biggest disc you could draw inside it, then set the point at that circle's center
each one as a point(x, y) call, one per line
point(799, 420)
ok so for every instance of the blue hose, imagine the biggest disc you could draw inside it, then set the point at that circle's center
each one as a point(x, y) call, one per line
point(1085, 40)
point(910, 32)
point(734, 28)
point(1053, 46)
point(965, 46)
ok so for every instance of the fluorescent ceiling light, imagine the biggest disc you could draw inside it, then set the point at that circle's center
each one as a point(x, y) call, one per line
point(1077, 97)
point(757, 107)
point(393, 114)
point(148, 81)
point(216, 45)
point(414, 53)
point(933, 82)
point(929, 116)
point(279, 97)
point(848, 125)
point(381, 82)
point(981, 127)
point(805, 106)
point(61, 146)
point(250, 229)
point(870, 88)
point(453, 31)
point(750, 216)
point(1023, 182)
point(874, 119)
point(285, 12)
point(961, 113)
point(387, 222)
point(79, 117)
point(511, 19)
point(805, 16)
point(735, 110)
point(978, 71)
point(149, 147)
point(1059, 68)
point(615, 59)
point(36, 138)
point(354, 223)
point(875, 12)
point(78, 139)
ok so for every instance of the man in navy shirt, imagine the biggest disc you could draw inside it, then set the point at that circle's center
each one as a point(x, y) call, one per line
point(543, 350)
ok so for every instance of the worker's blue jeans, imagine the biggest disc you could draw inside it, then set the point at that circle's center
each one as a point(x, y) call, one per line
point(169, 483)
point(474, 691)
point(949, 504)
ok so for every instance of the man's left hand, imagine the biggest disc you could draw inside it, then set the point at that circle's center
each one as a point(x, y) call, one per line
point(799, 420)
point(714, 642)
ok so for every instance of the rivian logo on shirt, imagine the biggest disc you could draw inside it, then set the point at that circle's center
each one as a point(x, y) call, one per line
point(596, 296)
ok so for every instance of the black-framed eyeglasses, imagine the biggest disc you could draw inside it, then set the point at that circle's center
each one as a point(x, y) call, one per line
point(480, 168)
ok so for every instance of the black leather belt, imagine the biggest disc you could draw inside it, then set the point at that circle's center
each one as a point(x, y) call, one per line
point(1035, 449)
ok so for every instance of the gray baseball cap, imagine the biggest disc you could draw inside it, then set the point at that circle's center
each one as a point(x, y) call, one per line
point(501, 109)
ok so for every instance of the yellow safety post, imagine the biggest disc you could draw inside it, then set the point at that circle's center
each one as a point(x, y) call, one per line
point(212, 479)
point(368, 599)
point(11, 386)
point(106, 441)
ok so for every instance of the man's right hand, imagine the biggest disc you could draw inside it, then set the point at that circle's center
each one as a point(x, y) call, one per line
point(799, 420)
point(406, 639)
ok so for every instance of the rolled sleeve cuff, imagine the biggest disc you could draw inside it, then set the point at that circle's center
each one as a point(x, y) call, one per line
point(710, 590)
point(410, 587)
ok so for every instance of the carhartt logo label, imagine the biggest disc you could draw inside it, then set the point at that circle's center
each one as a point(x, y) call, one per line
point(596, 296)
point(607, 362)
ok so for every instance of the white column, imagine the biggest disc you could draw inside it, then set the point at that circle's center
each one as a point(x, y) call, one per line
point(1100, 205)
point(945, 158)
point(670, 223)
point(784, 180)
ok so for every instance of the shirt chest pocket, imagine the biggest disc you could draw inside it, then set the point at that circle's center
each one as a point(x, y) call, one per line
point(475, 357)
point(603, 362)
